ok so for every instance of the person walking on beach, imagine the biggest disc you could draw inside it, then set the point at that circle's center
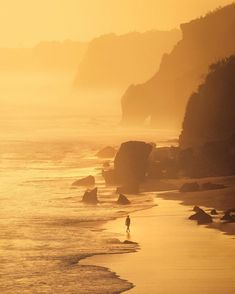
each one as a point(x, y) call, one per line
point(128, 223)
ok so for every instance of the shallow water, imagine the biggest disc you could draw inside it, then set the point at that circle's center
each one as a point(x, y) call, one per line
point(44, 228)
point(176, 255)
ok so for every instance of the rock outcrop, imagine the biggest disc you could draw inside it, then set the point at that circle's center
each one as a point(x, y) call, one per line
point(130, 242)
point(194, 187)
point(163, 97)
point(130, 166)
point(106, 152)
point(90, 197)
point(130, 163)
point(214, 212)
point(87, 181)
point(190, 187)
point(212, 186)
point(201, 216)
point(123, 200)
point(229, 215)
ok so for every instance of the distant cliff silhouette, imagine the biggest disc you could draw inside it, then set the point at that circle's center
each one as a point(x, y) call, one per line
point(44, 56)
point(163, 98)
point(114, 61)
point(210, 111)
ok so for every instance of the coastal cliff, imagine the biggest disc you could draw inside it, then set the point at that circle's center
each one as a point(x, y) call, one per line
point(210, 111)
point(163, 98)
point(118, 60)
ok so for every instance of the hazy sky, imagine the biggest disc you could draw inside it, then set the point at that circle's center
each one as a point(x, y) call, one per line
point(25, 22)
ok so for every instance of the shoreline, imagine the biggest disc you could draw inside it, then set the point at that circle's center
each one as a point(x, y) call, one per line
point(124, 249)
point(205, 199)
point(119, 263)
point(219, 199)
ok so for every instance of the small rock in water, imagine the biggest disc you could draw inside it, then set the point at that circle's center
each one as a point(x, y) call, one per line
point(214, 212)
point(90, 196)
point(87, 181)
point(106, 152)
point(229, 215)
point(123, 200)
point(113, 241)
point(129, 242)
point(201, 216)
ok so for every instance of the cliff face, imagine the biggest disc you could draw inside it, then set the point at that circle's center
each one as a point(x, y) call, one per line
point(163, 98)
point(43, 57)
point(113, 61)
point(210, 111)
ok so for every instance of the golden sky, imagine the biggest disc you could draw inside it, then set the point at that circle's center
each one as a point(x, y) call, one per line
point(26, 22)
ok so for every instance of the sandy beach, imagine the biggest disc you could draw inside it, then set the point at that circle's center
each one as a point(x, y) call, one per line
point(175, 255)
point(219, 199)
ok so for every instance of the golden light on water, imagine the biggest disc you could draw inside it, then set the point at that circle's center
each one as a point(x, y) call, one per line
point(65, 69)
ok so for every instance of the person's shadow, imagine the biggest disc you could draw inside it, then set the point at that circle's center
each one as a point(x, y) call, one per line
point(128, 235)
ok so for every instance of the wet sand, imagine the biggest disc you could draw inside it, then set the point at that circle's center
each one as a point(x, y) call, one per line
point(176, 254)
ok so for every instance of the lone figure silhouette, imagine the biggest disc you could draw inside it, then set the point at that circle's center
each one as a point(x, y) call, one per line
point(128, 223)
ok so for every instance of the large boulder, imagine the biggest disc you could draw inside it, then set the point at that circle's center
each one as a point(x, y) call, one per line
point(87, 181)
point(106, 152)
point(190, 187)
point(123, 200)
point(130, 164)
point(90, 196)
point(201, 216)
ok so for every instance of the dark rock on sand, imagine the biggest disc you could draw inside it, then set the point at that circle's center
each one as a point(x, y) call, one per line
point(107, 152)
point(90, 196)
point(87, 181)
point(129, 242)
point(214, 212)
point(229, 215)
point(212, 186)
point(201, 216)
point(190, 187)
point(113, 241)
point(123, 200)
